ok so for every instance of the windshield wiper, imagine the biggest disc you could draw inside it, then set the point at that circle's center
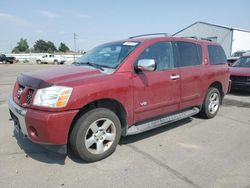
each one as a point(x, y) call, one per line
point(90, 64)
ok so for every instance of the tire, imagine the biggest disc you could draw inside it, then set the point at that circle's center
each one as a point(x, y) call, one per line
point(211, 103)
point(96, 134)
point(5, 62)
point(56, 62)
point(38, 62)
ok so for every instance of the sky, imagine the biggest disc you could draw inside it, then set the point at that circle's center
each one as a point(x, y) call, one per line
point(96, 22)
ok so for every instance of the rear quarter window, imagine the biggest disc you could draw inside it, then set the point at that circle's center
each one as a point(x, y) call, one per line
point(217, 55)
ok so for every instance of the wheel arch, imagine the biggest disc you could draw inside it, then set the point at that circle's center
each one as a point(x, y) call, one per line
point(111, 104)
point(218, 85)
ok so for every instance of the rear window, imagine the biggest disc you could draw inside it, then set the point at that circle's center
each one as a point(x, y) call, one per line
point(190, 54)
point(216, 55)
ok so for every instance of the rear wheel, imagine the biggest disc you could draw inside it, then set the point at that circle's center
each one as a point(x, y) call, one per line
point(96, 134)
point(211, 103)
point(38, 61)
point(56, 62)
point(4, 62)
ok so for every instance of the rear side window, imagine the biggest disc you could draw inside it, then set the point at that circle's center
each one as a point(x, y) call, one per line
point(190, 54)
point(216, 55)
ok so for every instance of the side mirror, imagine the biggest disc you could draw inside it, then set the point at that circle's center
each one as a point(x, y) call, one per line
point(146, 65)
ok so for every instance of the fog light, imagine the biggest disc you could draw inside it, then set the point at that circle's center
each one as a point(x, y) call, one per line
point(33, 132)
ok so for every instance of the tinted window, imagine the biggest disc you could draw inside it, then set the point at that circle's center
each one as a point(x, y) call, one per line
point(189, 54)
point(162, 53)
point(242, 62)
point(216, 55)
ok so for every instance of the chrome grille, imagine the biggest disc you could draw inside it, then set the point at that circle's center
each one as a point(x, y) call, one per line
point(29, 96)
point(24, 95)
point(19, 92)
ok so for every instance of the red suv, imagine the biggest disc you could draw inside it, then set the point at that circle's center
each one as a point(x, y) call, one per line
point(240, 73)
point(120, 88)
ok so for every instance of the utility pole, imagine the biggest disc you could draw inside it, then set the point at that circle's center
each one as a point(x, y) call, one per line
point(11, 47)
point(74, 34)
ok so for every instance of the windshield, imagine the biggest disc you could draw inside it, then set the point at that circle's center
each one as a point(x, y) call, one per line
point(242, 62)
point(238, 54)
point(108, 55)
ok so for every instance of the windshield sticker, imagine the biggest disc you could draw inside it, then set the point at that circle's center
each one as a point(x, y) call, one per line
point(130, 43)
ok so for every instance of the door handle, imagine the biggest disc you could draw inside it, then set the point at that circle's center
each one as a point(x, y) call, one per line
point(174, 77)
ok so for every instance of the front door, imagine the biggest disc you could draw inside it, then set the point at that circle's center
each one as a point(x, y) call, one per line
point(157, 92)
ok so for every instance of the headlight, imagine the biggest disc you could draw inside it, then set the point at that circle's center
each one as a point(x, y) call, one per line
point(54, 96)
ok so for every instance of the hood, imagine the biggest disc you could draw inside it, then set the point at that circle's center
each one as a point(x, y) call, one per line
point(58, 75)
point(240, 71)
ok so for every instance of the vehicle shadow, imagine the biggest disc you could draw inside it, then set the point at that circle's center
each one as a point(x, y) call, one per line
point(138, 137)
point(38, 152)
point(153, 132)
point(240, 93)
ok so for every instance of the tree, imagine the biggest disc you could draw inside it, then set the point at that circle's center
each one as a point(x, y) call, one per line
point(63, 47)
point(42, 46)
point(51, 46)
point(22, 46)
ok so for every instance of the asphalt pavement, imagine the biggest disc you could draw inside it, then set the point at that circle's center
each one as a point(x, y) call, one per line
point(190, 153)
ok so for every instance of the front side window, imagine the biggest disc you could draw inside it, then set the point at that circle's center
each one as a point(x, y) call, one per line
point(162, 53)
point(190, 54)
point(108, 55)
point(216, 55)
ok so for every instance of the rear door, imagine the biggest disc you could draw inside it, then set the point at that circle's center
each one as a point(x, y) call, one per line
point(190, 65)
point(157, 92)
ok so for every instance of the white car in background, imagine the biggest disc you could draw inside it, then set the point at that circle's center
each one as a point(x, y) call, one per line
point(50, 58)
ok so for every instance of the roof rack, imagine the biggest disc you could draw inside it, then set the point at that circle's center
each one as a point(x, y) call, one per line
point(198, 38)
point(151, 34)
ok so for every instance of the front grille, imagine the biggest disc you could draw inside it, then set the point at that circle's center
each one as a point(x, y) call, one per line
point(19, 92)
point(240, 78)
point(24, 95)
point(29, 96)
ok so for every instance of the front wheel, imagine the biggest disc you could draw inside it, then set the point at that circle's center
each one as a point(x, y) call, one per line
point(211, 103)
point(96, 134)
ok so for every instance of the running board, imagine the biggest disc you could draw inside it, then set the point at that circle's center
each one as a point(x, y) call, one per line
point(135, 129)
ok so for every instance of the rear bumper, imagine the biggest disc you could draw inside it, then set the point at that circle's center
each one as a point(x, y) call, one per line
point(41, 127)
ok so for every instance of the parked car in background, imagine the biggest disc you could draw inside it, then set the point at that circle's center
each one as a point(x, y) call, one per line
point(7, 59)
point(235, 56)
point(120, 88)
point(50, 59)
point(240, 73)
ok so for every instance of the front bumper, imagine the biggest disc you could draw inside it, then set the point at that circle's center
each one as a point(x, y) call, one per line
point(241, 85)
point(18, 114)
point(51, 128)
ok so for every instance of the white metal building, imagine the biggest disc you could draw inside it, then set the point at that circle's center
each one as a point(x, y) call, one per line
point(231, 39)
